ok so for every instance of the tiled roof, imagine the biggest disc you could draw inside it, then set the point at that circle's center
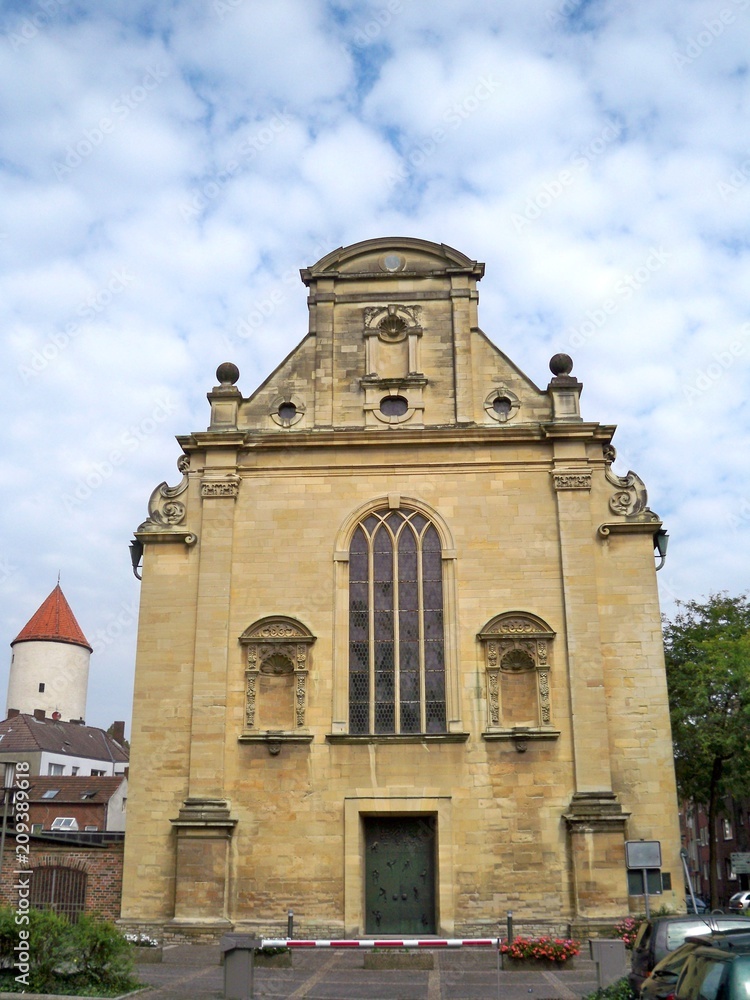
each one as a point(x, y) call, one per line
point(53, 622)
point(74, 789)
point(24, 733)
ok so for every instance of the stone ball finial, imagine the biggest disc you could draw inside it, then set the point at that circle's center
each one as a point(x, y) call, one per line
point(227, 373)
point(561, 364)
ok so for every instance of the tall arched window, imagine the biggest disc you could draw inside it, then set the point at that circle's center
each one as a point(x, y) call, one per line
point(396, 628)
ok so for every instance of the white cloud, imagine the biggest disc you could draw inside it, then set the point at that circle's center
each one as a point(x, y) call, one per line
point(346, 121)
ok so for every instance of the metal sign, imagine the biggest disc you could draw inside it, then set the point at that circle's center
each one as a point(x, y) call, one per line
point(741, 862)
point(643, 853)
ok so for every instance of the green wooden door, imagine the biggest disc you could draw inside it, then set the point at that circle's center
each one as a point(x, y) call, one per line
point(400, 875)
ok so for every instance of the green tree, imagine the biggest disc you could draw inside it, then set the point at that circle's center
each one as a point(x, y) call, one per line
point(707, 649)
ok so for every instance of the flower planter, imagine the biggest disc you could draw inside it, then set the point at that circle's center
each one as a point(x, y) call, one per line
point(148, 956)
point(536, 964)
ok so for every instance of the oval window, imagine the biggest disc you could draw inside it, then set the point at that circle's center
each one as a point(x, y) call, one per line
point(393, 406)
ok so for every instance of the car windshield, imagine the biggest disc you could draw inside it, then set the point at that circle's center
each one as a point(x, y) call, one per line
point(701, 978)
point(678, 931)
point(673, 963)
point(740, 978)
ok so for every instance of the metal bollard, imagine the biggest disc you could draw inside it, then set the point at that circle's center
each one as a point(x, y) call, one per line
point(290, 924)
point(510, 926)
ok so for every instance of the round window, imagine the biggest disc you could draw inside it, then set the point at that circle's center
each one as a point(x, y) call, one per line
point(393, 262)
point(393, 406)
point(287, 411)
point(502, 406)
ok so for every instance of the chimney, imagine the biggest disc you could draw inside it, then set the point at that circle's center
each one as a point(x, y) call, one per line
point(118, 732)
point(39, 713)
point(13, 712)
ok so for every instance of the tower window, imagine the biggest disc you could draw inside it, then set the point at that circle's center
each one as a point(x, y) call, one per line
point(41, 688)
point(396, 634)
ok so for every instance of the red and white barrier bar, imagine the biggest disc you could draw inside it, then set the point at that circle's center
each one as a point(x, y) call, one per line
point(391, 943)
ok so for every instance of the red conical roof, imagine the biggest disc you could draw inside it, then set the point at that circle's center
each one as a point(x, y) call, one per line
point(53, 622)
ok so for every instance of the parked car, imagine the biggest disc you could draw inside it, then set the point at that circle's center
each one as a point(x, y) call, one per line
point(700, 904)
point(660, 935)
point(660, 984)
point(712, 973)
point(740, 901)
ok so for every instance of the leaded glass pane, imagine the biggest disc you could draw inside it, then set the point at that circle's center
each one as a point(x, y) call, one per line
point(409, 686)
point(434, 655)
point(431, 541)
point(384, 656)
point(359, 634)
point(408, 595)
point(419, 521)
point(435, 716)
point(409, 652)
point(392, 609)
point(433, 625)
point(385, 719)
point(394, 520)
point(408, 626)
point(410, 717)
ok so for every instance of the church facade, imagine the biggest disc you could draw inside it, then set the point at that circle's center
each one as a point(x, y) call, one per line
point(399, 661)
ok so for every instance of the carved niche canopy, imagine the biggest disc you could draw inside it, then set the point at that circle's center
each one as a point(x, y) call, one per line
point(276, 646)
point(517, 643)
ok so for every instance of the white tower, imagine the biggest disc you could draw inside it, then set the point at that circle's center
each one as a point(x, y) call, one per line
point(49, 669)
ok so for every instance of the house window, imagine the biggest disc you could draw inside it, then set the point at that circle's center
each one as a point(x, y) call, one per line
point(55, 769)
point(396, 628)
point(97, 774)
point(726, 829)
point(64, 823)
point(41, 688)
point(731, 873)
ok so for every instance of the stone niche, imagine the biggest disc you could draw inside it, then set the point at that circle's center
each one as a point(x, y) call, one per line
point(277, 665)
point(517, 661)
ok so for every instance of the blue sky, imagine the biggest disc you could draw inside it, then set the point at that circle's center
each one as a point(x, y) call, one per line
point(166, 169)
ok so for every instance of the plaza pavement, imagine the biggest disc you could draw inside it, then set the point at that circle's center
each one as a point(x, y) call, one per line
point(192, 972)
